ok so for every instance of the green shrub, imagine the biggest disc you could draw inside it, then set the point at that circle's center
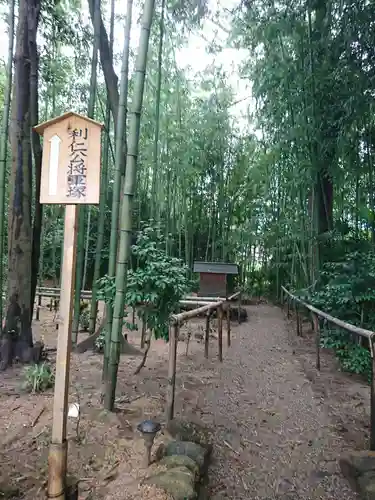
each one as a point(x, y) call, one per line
point(100, 341)
point(353, 357)
point(156, 286)
point(38, 378)
point(84, 316)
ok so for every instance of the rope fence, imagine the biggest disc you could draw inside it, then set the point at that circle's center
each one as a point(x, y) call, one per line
point(299, 304)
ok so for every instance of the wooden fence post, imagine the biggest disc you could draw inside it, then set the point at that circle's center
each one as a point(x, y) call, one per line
point(239, 308)
point(372, 418)
point(38, 308)
point(207, 334)
point(220, 332)
point(317, 338)
point(228, 325)
point(312, 321)
point(173, 339)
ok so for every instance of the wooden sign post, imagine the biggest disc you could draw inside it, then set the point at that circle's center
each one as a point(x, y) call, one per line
point(71, 177)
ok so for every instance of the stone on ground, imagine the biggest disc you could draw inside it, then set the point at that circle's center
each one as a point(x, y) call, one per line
point(184, 430)
point(180, 461)
point(359, 468)
point(178, 482)
point(192, 450)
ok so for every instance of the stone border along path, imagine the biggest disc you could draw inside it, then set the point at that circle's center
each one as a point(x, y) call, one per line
point(273, 437)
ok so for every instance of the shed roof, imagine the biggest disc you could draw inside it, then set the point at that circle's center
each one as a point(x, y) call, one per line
point(215, 268)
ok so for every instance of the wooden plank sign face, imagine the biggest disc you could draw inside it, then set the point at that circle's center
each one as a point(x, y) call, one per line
point(71, 160)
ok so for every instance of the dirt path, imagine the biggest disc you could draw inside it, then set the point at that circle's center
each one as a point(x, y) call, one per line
point(275, 434)
point(278, 425)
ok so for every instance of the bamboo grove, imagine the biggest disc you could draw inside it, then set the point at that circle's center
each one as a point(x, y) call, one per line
point(289, 196)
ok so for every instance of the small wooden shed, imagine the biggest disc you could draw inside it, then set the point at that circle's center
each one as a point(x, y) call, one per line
point(213, 277)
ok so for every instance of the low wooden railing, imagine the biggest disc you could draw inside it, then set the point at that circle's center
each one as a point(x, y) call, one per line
point(361, 332)
point(54, 293)
point(207, 307)
point(190, 300)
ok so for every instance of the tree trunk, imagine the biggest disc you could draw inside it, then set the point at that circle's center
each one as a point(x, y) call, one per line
point(33, 21)
point(103, 195)
point(111, 79)
point(19, 219)
point(4, 144)
point(81, 253)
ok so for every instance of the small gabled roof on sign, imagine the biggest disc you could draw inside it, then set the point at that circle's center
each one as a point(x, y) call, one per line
point(215, 267)
point(42, 126)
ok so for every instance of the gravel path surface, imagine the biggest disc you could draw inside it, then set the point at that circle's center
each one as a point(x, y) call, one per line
point(278, 425)
point(274, 435)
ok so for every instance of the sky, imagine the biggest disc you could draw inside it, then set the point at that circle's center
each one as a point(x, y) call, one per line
point(194, 57)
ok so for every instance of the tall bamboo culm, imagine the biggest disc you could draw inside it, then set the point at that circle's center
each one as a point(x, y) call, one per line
point(119, 168)
point(127, 203)
point(83, 209)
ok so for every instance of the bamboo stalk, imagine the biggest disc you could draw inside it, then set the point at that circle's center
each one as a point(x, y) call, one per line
point(195, 303)
point(126, 229)
point(184, 316)
point(119, 167)
point(193, 298)
point(211, 299)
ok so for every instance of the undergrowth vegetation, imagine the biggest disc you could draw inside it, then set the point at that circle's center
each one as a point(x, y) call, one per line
point(345, 289)
point(38, 378)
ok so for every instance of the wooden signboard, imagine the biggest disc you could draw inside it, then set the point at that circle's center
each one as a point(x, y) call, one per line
point(71, 177)
point(71, 160)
